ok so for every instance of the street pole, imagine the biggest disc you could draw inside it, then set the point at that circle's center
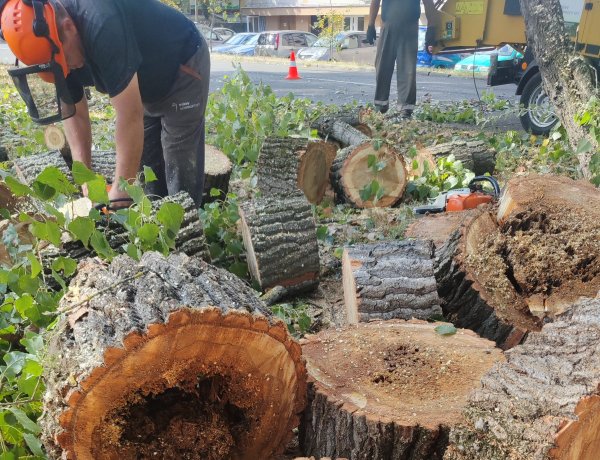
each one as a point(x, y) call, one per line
point(196, 11)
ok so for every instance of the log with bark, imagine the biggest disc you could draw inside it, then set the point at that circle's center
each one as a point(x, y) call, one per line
point(354, 117)
point(55, 139)
point(475, 155)
point(340, 131)
point(389, 390)
point(280, 238)
point(437, 227)
point(29, 167)
point(540, 258)
point(169, 358)
point(354, 172)
point(286, 165)
point(217, 171)
point(543, 401)
point(391, 279)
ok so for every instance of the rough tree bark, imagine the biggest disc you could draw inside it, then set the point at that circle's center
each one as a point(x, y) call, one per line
point(387, 280)
point(543, 402)
point(389, 390)
point(568, 78)
point(178, 359)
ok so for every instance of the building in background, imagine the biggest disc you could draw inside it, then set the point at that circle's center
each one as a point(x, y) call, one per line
point(261, 15)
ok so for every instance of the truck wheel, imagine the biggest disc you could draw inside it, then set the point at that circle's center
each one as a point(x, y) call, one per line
point(538, 115)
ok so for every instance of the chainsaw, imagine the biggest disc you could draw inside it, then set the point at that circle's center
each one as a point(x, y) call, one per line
point(463, 198)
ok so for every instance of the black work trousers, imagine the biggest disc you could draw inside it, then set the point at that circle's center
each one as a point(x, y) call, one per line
point(174, 131)
point(397, 47)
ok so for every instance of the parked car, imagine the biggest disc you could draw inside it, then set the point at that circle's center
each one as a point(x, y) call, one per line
point(224, 32)
point(447, 61)
point(349, 46)
point(246, 49)
point(235, 40)
point(210, 36)
point(480, 61)
point(281, 42)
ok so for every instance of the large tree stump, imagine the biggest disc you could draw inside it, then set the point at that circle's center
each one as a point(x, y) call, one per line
point(389, 390)
point(351, 175)
point(475, 155)
point(29, 167)
point(482, 300)
point(391, 279)
point(543, 402)
point(217, 171)
point(437, 227)
point(286, 165)
point(281, 242)
point(178, 360)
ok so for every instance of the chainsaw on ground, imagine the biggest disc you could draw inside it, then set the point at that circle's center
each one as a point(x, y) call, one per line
point(463, 198)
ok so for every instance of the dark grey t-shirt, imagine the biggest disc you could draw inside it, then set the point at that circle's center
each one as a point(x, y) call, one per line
point(122, 37)
point(400, 11)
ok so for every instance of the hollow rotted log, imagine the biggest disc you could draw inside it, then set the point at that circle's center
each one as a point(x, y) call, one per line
point(281, 242)
point(389, 390)
point(29, 167)
point(217, 171)
point(391, 279)
point(475, 155)
point(350, 175)
point(481, 300)
point(169, 355)
point(286, 165)
point(543, 402)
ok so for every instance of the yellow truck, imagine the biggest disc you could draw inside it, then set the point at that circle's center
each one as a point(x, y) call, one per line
point(478, 25)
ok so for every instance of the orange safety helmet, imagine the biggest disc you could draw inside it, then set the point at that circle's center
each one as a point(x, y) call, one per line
point(30, 30)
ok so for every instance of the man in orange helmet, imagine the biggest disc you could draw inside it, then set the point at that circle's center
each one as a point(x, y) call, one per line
point(150, 60)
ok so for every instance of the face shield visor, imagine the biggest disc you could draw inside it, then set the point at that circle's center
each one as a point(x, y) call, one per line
point(44, 90)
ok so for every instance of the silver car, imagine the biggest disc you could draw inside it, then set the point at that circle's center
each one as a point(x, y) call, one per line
point(349, 46)
point(282, 42)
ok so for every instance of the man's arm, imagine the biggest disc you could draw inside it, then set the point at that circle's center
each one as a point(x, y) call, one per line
point(373, 12)
point(78, 131)
point(430, 13)
point(129, 134)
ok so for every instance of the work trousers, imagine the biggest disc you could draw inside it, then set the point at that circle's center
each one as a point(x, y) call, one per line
point(397, 46)
point(174, 131)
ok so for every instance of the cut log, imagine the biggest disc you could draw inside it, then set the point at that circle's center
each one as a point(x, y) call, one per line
point(479, 296)
point(286, 165)
point(391, 279)
point(389, 390)
point(350, 175)
point(475, 155)
point(217, 171)
point(7, 199)
point(437, 227)
point(364, 128)
point(178, 357)
point(55, 139)
point(419, 162)
point(29, 167)
point(281, 242)
point(543, 402)
point(190, 238)
point(341, 132)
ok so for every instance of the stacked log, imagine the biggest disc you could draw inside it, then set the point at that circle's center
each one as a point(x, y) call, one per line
point(389, 390)
point(286, 165)
point(217, 172)
point(543, 401)
point(169, 355)
point(281, 242)
point(391, 279)
point(504, 278)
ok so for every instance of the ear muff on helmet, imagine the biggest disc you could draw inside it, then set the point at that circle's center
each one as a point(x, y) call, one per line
point(30, 30)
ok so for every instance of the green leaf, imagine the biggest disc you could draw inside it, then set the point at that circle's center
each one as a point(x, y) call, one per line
point(239, 269)
point(322, 232)
point(338, 253)
point(81, 173)
point(36, 266)
point(82, 228)
point(149, 175)
point(97, 190)
point(49, 231)
point(148, 233)
point(132, 251)
point(43, 191)
point(100, 244)
point(15, 360)
point(371, 160)
point(53, 177)
point(32, 342)
point(584, 146)
point(16, 187)
point(214, 192)
point(25, 421)
point(445, 329)
point(34, 444)
point(64, 264)
point(171, 216)
point(4, 213)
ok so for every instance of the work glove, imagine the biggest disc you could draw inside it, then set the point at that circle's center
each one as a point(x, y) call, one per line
point(371, 35)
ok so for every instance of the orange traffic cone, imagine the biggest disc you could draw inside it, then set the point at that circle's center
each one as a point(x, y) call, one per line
point(293, 72)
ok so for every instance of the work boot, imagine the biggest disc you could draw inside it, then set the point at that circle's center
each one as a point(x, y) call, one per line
point(382, 108)
point(406, 114)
